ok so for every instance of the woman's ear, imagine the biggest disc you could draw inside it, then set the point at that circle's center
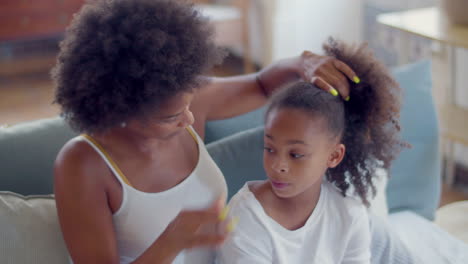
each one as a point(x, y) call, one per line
point(336, 156)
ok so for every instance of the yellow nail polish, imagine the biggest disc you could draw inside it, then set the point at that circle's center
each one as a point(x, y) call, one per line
point(232, 225)
point(347, 99)
point(224, 213)
point(356, 79)
point(334, 92)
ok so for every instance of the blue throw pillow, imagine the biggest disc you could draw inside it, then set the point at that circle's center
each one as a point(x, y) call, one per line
point(415, 176)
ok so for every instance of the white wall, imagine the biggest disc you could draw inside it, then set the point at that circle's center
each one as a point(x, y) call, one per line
point(284, 28)
point(305, 24)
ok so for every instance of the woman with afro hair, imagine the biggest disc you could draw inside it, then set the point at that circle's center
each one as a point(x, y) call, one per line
point(138, 186)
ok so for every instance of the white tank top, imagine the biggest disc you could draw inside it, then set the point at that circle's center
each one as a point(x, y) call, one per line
point(142, 217)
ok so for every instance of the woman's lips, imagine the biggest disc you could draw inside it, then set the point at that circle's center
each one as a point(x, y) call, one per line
point(279, 185)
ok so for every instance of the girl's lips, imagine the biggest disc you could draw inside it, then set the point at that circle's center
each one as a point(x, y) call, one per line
point(279, 185)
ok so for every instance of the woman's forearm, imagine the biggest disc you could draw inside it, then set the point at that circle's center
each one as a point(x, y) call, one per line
point(231, 96)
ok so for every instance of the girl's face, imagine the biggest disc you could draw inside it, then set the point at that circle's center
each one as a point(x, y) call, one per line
point(298, 150)
point(172, 118)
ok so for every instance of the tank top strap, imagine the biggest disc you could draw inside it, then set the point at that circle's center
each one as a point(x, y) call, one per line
point(110, 162)
point(193, 133)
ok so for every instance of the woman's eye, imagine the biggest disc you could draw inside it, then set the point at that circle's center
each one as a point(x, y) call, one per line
point(296, 156)
point(169, 120)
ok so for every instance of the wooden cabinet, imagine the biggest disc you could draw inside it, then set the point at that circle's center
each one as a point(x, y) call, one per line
point(29, 19)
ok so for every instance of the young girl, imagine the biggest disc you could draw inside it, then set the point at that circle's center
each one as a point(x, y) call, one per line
point(320, 156)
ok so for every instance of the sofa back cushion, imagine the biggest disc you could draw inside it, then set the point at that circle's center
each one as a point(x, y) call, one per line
point(219, 129)
point(27, 154)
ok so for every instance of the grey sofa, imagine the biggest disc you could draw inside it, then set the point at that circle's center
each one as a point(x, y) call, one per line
point(28, 225)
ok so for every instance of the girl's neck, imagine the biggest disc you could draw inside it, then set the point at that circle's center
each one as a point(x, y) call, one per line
point(293, 212)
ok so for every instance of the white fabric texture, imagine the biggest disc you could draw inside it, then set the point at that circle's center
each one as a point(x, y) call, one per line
point(336, 232)
point(431, 244)
point(29, 230)
point(142, 216)
point(378, 204)
point(386, 246)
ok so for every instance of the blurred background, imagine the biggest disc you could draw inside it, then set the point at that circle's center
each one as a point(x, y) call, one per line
point(257, 32)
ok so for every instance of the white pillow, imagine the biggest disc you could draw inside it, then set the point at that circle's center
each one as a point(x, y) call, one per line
point(29, 230)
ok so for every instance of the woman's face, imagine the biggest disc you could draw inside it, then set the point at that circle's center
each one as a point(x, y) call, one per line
point(298, 151)
point(172, 118)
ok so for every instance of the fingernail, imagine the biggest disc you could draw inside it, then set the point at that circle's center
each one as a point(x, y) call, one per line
point(232, 225)
point(334, 92)
point(223, 214)
point(356, 79)
point(347, 99)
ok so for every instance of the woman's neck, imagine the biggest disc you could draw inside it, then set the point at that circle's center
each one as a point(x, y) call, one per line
point(122, 140)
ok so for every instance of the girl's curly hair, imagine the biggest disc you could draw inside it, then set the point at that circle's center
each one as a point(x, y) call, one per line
point(121, 59)
point(367, 124)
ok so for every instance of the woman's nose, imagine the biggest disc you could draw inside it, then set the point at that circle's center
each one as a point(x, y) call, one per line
point(187, 119)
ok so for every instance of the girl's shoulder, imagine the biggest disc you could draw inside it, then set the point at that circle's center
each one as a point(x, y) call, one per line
point(245, 197)
point(346, 206)
point(252, 218)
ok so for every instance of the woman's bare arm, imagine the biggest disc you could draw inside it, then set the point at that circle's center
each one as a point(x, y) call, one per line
point(82, 204)
point(226, 97)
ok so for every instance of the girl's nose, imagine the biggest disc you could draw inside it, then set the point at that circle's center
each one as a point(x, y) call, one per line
point(280, 166)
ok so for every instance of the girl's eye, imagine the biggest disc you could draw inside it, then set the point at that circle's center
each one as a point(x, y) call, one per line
point(296, 156)
point(267, 149)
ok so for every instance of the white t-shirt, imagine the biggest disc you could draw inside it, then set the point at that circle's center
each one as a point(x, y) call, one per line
point(336, 232)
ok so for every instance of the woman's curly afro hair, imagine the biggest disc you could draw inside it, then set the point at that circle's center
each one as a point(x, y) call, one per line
point(121, 59)
point(368, 124)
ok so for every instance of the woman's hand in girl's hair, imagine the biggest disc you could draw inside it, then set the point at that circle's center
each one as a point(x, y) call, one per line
point(197, 228)
point(325, 72)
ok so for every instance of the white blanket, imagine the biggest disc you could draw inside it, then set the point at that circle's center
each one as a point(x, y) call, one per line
point(427, 241)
